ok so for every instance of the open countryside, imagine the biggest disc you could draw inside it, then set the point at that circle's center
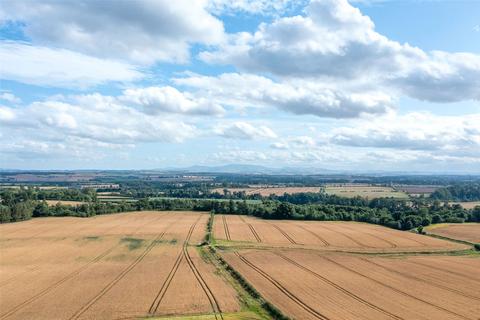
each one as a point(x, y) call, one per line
point(128, 265)
point(239, 160)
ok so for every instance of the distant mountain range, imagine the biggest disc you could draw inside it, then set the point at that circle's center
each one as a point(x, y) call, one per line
point(247, 169)
point(251, 169)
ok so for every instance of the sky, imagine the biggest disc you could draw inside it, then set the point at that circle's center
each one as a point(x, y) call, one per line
point(366, 85)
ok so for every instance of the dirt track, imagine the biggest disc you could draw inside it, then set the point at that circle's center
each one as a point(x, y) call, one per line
point(108, 267)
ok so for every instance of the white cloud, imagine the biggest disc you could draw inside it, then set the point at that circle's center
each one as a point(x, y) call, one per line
point(304, 141)
point(294, 96)
point(440, 135)
point(143, 31)
point(155, 100)
point(244, 130)
point(60, 68)
point(92, 120)
point(335, 42)
point(264, 7)
point(10, 97)
point(279, 145)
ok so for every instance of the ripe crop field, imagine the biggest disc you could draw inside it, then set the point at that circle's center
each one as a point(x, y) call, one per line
point(332, 236)
point(64, 202)
point(314, 285)
point(467, 205)
point(364, 191)
point(115, 266)
point(467, 231)
point(266, 191)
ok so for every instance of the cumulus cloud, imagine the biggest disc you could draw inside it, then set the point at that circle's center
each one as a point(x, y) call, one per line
point(60, 68)
point(441, 135)
point(154, 100)
point(93, 120)
point(244, 130)
point(334, 41)
point(9, 97)
point(143, 31)
point(294, 96)
point(264, 7)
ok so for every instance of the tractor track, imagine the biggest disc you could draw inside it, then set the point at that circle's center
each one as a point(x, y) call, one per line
point(57, 284)
point(284, 233)
point(362, 245)
point(444, 270)
point(338, 287)
point(395, 289)
point(120, 276)
point(184, 254)
point(37, 266)
point(421, 280)
point(252, 229)
point(166, 284)
point(325, 242)
point(284, 290)
point(391, 244)
point(225, 227)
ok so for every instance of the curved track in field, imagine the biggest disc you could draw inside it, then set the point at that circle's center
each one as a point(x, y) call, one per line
point(184, 254)
point(252, 229)
point(325, 242)
point(406, 275)
point(45, 291)
point(290, 239)
point(121, 275)
point(338, 287)
point(284, 290)
point(396, 289)
point(444, 270)
point(390, 243)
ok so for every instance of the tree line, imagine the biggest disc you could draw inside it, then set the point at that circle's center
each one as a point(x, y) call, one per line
point(458, 192)
point(404, 215)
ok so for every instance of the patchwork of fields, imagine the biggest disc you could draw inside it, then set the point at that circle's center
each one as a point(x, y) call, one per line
point(109, 267)
point(266, 191)
point(343, 270)
point(365, 191)
point(146, 265)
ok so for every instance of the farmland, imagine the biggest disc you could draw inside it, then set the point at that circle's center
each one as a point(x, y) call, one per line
point(64, 202)
point(467, 205)
point(350, 270)
point(364, 191)
point(309, 285)
point(467, 232)
point(325, 236)
point(115, 266)
point(265, 191)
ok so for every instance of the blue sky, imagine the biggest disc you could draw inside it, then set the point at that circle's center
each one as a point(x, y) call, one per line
point(365, 85)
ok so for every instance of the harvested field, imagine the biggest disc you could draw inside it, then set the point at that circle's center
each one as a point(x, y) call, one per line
point(370, 192)
point(64, 202)
point(266, 191)
point(467, 205)
point(115, 266)
point(312, 285)
point(466, 231)
point(319, 235)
